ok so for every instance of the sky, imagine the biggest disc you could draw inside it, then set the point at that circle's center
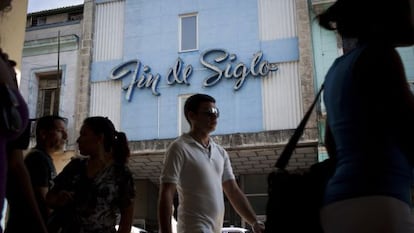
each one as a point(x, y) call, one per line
point(40, 5)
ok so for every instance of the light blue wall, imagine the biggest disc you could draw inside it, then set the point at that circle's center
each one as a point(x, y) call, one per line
point(151, 35)
point(325, 50)
point(407, 56)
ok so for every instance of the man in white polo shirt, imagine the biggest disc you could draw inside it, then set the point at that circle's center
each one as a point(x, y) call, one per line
point(200, 170)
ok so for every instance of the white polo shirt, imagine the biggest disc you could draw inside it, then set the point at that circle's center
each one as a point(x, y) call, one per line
point(198, 173)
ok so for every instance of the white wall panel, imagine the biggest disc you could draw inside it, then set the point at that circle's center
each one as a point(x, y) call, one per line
point(282, 107)
point(281, 90)
point(105, 101)
point(109, 31)
point(277, 19)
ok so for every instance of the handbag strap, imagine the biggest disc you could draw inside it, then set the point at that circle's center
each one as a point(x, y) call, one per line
point(283, 160)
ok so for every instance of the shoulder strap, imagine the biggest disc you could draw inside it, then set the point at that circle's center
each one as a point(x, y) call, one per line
point(283, 160)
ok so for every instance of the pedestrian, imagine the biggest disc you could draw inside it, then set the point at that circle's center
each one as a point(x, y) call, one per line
point(370, 112)
point(12, 144)
point(200, 170)
point(13, 139)
point(94, 189)
point(9, 88)
point(51, 136)
point(22, 203)
point(9, 91)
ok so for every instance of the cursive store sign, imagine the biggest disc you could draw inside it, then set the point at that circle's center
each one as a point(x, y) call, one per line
point(219, 63)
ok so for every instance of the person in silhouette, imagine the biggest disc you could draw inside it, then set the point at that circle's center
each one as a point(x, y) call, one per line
point(91, 190)
point(370, 112)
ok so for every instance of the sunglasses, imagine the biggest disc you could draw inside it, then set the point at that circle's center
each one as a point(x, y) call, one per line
point(211, 112)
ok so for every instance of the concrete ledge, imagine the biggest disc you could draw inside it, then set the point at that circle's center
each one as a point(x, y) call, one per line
point(230, 142)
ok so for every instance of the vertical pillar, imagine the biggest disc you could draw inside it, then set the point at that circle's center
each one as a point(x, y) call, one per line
point(306, 63)
point(85, 58)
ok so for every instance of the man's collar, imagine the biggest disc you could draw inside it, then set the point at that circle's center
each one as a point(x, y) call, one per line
point(190, 139)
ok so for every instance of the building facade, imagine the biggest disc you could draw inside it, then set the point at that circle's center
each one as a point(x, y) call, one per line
point(137, 61)
point(51, 66)
point(255, 57)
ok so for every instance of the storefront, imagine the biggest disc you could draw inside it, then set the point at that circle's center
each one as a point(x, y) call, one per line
point(137, 61)
point(253, 57)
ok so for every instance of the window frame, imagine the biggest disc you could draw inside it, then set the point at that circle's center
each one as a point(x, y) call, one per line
point(48, 83)
point(182, 128)
point(75, 16)
point(41, 20)
point(180, 32)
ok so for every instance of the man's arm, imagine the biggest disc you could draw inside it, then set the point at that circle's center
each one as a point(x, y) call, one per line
point(240, 203)
point(165, 203)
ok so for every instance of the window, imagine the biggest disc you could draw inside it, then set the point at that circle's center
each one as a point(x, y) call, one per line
point(255, 187)
point(188, 32)
point(183, 125)
point(48, 95)
point(75, 16)
point(40, 20)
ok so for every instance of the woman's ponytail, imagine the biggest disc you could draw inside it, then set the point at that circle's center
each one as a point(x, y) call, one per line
point(114, 141)
point(120, 148)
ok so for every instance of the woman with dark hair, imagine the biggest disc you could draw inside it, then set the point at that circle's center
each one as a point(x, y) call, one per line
point(96, 188)
point(370, 112)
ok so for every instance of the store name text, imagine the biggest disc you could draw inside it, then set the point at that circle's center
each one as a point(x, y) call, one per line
point(221, 64)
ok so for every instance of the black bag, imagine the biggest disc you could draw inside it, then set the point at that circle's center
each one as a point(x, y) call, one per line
point(295, 197)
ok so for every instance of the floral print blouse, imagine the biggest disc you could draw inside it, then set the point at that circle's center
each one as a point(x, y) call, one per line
point(98, 200)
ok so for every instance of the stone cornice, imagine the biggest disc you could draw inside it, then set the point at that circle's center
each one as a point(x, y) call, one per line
point(53, 25)
point(236, 141)
point(50, 45)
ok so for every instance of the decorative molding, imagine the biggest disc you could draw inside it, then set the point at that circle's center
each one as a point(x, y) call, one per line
point(50, 45)
point(52, 25)
point(231, 142)
point(106, 1)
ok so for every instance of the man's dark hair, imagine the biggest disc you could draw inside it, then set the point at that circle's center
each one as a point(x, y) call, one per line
point(194, 101)
point(47, 123)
